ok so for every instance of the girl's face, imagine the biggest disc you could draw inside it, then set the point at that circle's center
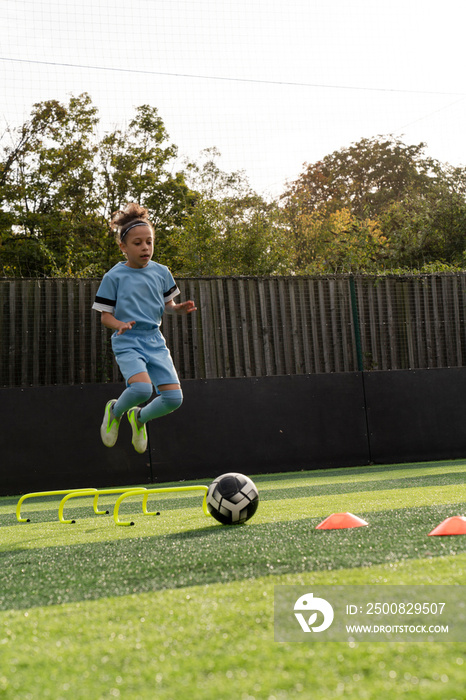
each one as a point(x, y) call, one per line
point(138, 246)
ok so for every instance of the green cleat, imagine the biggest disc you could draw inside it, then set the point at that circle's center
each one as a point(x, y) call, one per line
point(139, 438)
point(110, 425)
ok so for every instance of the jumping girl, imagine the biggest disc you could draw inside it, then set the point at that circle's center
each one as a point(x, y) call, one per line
point(132, 298)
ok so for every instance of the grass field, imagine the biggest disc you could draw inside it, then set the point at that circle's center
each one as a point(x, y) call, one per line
point(179, 606)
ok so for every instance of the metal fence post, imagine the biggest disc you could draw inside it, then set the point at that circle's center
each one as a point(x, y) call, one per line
point(357, 330)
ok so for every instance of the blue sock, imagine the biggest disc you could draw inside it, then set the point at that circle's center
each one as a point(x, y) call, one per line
point(167, 402)
point(136, 393)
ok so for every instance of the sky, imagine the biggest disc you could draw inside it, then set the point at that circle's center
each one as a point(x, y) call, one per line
point(271, 84)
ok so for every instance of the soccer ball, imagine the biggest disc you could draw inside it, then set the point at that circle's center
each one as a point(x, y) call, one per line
point(232, 498)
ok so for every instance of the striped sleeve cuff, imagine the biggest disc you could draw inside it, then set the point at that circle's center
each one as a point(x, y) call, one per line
point(102, 304)
point(171, 294)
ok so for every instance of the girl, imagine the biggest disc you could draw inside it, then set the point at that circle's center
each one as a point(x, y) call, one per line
point(132, 298)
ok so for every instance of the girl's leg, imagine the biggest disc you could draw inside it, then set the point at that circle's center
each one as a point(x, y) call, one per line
point(170, 398)
point(139, 432)
point(138, 391)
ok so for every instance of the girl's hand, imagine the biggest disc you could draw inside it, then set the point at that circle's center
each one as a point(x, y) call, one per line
point(109, 321)
point(125, 327)
point(185, 307)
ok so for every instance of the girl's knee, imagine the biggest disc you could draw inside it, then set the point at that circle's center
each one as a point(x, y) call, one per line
point(172, 398)
point(142, 391)
point(167, 402)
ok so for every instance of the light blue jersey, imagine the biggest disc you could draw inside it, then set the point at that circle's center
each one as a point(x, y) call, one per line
point(136, 294)
point(140, 294)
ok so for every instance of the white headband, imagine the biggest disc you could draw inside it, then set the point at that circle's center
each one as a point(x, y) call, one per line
point(139, 223)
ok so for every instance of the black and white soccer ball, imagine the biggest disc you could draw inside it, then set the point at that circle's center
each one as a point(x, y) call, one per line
point(232, 498)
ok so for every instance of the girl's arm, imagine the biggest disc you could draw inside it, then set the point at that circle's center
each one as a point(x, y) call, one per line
point(109, 321)
point(185, 307)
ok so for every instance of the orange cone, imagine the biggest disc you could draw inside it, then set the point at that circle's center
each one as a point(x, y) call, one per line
point(451, 526)
point(339, 521)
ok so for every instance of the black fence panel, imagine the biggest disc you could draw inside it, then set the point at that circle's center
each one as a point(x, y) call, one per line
point(244, 327)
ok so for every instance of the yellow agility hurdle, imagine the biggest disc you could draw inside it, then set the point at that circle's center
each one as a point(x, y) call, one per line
point(38, 494)
point(145, 493)
point(125, 492)
point(96, 493)
point(102, 492)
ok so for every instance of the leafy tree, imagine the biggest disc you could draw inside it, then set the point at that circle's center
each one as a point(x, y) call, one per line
point(196, 244)
point(59, 185)
point(135, 167)
point(378, 204)
point(423, 231)
point(337, 242)
point(415, 203)
point(254, 237)
point(364, 178)
point(48, 189)
point(230, 230)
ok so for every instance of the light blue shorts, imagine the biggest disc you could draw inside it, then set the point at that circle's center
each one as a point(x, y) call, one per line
point(144, 351)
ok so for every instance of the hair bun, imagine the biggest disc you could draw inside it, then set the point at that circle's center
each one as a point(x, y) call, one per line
point(131, 212)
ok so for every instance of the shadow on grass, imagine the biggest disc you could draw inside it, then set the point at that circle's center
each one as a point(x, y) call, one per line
point(55, 575)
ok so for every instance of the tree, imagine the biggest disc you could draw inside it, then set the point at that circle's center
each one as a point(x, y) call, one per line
point(230, 230)
point(338, 242)
point(365, 178)
point(135, 167)
point(47, 190)
point(426, 231)
point(59, 184)
point(414, 204)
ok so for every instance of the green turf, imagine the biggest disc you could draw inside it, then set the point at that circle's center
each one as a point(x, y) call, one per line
point(179, 606)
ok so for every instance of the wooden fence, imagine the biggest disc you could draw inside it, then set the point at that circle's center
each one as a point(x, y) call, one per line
point(244, 327)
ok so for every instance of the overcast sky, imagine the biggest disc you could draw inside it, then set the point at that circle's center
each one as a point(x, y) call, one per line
point(270, 84)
